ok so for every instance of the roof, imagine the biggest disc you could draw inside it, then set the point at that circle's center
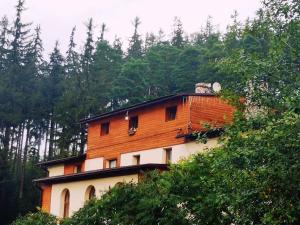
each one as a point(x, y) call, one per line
point(63, 160)
point(140, 105)
point(103, 173)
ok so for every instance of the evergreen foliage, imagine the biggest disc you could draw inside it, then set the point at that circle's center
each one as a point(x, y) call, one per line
point(253, 179)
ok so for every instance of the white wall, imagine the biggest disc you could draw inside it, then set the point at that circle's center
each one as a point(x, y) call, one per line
point(147, 156)
point(180, 152)
point(157, 155)
point(78, 189)
point(93, 164)
point(56, 170)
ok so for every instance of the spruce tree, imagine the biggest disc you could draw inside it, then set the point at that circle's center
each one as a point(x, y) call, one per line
point(135, 49)
point(178, 38)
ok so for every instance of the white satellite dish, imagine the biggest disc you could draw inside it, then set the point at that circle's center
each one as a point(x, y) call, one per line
point(216, 87)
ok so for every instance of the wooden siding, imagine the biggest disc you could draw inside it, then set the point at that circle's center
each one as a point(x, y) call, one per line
point(69, 167)
point(46, 197)
point(209, 110)
point(152, 132)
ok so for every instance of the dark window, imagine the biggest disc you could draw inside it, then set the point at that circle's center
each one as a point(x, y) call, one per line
point(168, 152)
point(137, 159)
point(92, 193)
point(133, 122)
point(66, 204)
point(171, 113)
point(112, 163)
point(104, 128)
point(77, 168)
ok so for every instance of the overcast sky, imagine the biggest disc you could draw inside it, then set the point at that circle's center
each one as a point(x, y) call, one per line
point(57, 17)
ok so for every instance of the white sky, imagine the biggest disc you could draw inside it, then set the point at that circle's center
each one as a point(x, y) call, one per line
point(57, 17)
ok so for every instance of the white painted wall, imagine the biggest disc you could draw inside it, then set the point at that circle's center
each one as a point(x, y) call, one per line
point(157, 155)
point(180, 152)
point(147, 156)
point(93, 164)
point(57, 170)
point(78, 189)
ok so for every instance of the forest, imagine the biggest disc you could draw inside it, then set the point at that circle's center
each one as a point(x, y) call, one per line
point(43, 98)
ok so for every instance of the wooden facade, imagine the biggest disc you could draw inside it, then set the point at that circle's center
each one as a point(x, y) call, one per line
point(46, 197)
point(153, 130)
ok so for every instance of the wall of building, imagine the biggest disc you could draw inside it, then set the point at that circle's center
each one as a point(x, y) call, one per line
point(94, 164)
point(153, 131)
point(209, 110)
point(78, 192)
point(181, 152)
point(46, 197)
point(157, 155)
point(56, 170)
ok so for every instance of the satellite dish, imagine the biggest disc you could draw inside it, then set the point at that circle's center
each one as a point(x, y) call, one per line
point(216, 87)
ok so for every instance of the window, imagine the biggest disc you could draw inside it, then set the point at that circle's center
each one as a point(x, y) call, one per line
point(112, 163)
point(77, 168)
point(104, 128)
point(171, 113)
point(90, 193)
point(133, 122)
point(136, 159)
point(65, 203)
point(168, 155)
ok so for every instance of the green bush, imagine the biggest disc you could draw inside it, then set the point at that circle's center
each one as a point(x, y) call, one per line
point(38, 218)
point(253, 179)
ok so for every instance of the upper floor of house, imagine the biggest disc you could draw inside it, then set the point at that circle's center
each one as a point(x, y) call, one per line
point(156, 123)
point(156, 131)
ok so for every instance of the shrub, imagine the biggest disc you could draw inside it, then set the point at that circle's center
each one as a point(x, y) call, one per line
point(38, 218)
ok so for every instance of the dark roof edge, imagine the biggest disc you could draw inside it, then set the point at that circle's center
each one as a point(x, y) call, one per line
point(140, 105)
point(126, 170)
point(63, 160)
point(211, 133)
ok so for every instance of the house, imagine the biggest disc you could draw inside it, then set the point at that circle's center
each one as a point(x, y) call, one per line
point(125, 143)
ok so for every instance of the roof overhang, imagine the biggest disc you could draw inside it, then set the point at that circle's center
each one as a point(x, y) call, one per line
point(63, 160)
point(104, 173)
point(141, 105)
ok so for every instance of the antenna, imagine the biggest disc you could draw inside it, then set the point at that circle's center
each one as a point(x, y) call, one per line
point(216, 87)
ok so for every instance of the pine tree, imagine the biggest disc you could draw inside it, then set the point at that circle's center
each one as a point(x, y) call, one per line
point(178, 38)
point(53, 90)
point(135, 49)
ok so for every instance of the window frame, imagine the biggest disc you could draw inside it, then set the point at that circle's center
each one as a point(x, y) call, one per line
point(104, 128)
point(132, 122)
point(137, 159)
point(168, 155)
point(66, 203)
point(109, 163)
point(168, 113)
point(76, 167)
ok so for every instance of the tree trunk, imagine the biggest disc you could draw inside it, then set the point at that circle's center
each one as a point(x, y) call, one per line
point(23, 166)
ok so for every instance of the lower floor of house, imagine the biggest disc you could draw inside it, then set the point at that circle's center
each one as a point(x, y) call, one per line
point(65, 193)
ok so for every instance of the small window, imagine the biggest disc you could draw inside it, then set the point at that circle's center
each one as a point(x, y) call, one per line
point(171, 113)
point(168, 155)
point(77, 168)
point(136, 159)
point(104, 128)
point(133, 122)
point(112, 163)
point(90, 193)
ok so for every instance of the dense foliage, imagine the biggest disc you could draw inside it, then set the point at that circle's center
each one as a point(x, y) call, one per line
point(252, 179)
point(38, 218)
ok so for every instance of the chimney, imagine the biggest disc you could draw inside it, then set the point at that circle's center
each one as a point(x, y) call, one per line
point(203, 88)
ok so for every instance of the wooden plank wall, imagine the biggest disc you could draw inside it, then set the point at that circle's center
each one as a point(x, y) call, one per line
point(153, 131)
point(46, 198)
point(209, 109)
